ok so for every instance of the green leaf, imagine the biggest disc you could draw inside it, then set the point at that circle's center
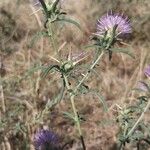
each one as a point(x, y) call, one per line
point(31, 71)
point(48, 69)
point(100, 98)
point(36, 37)
point(43, 5)
point(91, 46)
point(45, 70)
point(56, 99)
point(123, 50)
point(69, 115)
point(54, 5)
point(68, 20)
point(85, 89)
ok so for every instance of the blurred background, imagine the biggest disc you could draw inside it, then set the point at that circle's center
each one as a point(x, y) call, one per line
point(22, 97)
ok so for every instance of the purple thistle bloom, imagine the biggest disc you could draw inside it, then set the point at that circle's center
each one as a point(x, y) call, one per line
point(147, 71)
point(46, 140)
point(110, 22)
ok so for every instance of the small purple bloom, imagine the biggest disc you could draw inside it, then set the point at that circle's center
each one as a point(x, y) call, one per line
point(79, 56)
point(110, 22)
point(143, 86)
point(46, 140)
point(147, 71)
point(35, 3)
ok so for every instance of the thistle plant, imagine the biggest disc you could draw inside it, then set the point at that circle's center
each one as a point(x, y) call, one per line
point(26, 107)
point(110, 29)
point(134, 128)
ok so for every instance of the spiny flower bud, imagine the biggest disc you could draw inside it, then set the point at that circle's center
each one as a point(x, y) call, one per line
point(67, 66)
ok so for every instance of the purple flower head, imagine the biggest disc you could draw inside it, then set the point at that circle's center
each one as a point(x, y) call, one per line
point(46, 140)
point(147, 71)
point(116, 25)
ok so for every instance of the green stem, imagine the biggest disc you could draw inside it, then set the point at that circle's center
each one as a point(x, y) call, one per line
point(120, 146)
point(50, 33)
point(87, 74)
point(139, 120)
point(72, 96)
point(77, 120)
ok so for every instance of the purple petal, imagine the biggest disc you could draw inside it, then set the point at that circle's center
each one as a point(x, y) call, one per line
point(147, 71)
point(44, 137)
point(111, 20)
point(143, 86)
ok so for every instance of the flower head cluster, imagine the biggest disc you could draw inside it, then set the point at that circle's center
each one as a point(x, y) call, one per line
point(113, 25)
point(46, 140)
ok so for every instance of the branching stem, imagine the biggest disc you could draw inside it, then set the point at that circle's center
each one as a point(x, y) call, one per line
point(72, 96)
point(87, 74)
point(76, 118)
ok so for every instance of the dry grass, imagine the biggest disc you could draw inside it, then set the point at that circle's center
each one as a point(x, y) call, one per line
point(115, 79)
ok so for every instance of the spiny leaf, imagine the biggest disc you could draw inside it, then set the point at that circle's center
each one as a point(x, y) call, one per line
point(43, 5)
point(85, 89)
point(69, 21)
point(36, 37)
point(51, 103)
point(101, 98)
point(31, 71)
point(48, 69)
point(56, 99)
point(69, 115)
point(45, 70)
point(92, 46)
point(123, 50)
point(54, 6)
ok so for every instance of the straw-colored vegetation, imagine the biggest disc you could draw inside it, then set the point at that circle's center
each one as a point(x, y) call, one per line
point(23, 95)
